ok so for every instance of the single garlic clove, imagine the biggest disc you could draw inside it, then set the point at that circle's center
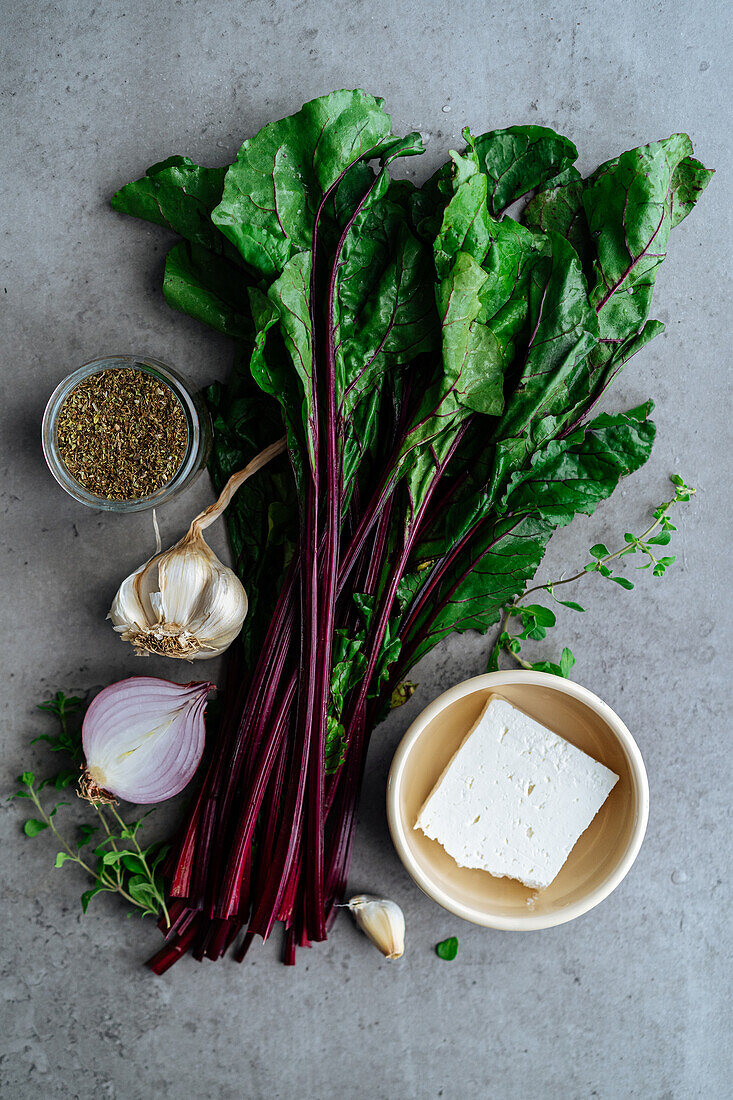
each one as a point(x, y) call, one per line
point(127, 609)
point(184, 576)
point(221, 612)
point(382, 921)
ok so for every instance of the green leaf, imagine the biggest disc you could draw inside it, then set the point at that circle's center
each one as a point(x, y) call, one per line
point(64, 779)
point(538, 614)
point(179, 195)
point(61, 859)
point(447, 949)
point(611, 447)
point(622, 582)
point(111, 858)
point(209, 288)
point(565, 477)
point(689, 180)
point(33, 826)
point(28, 778)
point(275, 187)
point(567, 660)
point(402, 693)
point(484, 271)
point(85, 834)
point(628, 204)
point(494, 569)
point(519, 159)
point(555, 375)
point(289, 296)
point(472, 356)
point(132, 863)
point(86, 897)
point(558, 208)
point(571, 604)
point(547, 666)
point(336, 745)
point(599, 551)
point(61, 704)
point(144, 893)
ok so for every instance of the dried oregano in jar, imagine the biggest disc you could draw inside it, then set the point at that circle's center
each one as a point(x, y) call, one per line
point(122, 433)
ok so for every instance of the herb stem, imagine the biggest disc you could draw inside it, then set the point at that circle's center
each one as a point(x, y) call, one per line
point(633, 544)
point(108, 831)
point(663, 509)
point(74, 856)
point(130, 834)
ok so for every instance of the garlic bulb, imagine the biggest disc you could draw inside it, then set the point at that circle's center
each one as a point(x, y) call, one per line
point(184, 602)
point(143, 739)
point(382, 921)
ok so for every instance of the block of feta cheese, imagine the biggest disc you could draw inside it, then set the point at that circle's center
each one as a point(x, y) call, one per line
point(514, 798)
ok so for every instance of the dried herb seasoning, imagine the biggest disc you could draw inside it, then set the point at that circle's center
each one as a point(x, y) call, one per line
point(122, 433)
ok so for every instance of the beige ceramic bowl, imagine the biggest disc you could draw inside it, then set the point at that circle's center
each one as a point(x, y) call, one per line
point(603, 854)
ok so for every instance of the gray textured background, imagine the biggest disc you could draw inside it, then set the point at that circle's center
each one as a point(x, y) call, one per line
point(629, 1001)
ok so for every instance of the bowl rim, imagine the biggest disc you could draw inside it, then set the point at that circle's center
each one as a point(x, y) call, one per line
point(637, 772)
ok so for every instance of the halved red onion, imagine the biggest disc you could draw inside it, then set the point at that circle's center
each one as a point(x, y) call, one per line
point(143, 739)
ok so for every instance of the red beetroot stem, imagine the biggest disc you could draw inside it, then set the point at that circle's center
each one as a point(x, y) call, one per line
point(189, 876)
point(318, 710)
point(263, 764)
point(195, 867)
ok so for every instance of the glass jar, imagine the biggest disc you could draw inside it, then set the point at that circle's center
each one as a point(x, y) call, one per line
point(198, 423)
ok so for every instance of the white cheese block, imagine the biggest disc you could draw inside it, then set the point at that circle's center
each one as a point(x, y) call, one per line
point(514, 798)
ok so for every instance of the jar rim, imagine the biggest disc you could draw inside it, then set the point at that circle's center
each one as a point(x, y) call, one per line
point(197, 424)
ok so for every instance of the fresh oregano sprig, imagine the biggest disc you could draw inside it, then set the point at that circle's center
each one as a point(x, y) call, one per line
point(536, 619)
point(117, 864)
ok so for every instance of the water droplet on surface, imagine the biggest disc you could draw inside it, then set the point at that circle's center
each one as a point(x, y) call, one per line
point(446, 109)
point(678, 877)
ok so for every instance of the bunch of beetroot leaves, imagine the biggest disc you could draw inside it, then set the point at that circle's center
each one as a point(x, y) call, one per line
point(434, 362)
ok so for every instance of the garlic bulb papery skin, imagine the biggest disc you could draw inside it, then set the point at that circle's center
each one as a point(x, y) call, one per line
point(143, 739)
point(184, 602)
point(382, 921)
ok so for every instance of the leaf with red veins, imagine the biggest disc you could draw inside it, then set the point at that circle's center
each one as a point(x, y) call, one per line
point(631, 204)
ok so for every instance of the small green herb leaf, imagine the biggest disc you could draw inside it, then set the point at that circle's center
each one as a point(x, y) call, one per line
point(567, 660)
point(85, 833)
point(536, 619)
point(447, 949)
point(402, 693)
point(121, 865)
point(133, 863)
point(87, 896)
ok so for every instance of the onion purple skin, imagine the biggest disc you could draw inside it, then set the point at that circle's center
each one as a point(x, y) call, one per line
point(144, 737)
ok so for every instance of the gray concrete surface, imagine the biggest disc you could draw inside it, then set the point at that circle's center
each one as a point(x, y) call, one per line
point(631, 1000)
